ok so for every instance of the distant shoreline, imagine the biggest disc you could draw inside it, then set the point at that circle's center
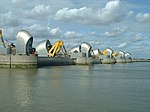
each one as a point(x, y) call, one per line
point(141, 60)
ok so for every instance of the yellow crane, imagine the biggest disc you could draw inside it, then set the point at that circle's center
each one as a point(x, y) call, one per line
point(2, 40)
point(56, 48)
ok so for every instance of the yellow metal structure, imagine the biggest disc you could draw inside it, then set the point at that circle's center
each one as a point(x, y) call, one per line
point(104, 52)
point(2, 40)
point(56, 48)
point(115, 54)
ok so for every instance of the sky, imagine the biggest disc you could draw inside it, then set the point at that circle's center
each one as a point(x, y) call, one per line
point(117, 24)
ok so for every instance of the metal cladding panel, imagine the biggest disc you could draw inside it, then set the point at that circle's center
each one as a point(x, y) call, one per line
point(127, 55)
point(76, 49)
point(86, 48)
point(109, 51)
point(96, 52)
point(121, 54)
point(43, 47)
point(24, 42)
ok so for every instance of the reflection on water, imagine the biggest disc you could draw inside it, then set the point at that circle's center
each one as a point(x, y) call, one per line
point(98, 88)
point(16, 88)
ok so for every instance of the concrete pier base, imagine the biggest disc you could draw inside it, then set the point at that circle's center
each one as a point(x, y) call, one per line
point(128, 60)
point(81, 61)
point(87, 61)
point(90, 60)
point(18, 61)
point(97, 61)
point(120, 61)
point(108, 61)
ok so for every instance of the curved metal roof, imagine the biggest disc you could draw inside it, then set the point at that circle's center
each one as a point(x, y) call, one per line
point(122, 53)
point(127, 55)
point(96, 52)
point(75, 49)
point(24, 42)
point(24, 35)
point(43, 47)
point(109, 51)
point(86, 46)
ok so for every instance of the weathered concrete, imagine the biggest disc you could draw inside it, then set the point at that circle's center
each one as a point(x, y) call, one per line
point(97, 61)
point(108, 61)
point(5, 61)
point(128, 60)
point(120, 61)
point(87, 61)
point(81, 61)
point(18, 61)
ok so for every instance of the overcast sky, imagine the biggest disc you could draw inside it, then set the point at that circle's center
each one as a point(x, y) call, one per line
point(118, 24)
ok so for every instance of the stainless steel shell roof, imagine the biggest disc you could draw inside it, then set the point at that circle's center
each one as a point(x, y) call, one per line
point(86, 46)
point(75, 49)
point(43, 47)
point(109, 51)
point(127, 55)
point(96, 52)
point(122, 53)
point(24, 42)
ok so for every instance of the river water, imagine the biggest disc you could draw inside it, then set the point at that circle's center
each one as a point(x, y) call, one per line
point(98, 88)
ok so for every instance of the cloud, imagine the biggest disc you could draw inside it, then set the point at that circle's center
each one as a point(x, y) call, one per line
point(143, 18)
point(122, 45)
point(72, 35)
point(94, 42)
point(135, 42)
point(8, 19)
point(56, 32)
point(79, 15)
point(130, 13)
point(38, 12)
point(17, 1)
point(43, 32)
point(140, 37)
point(9, 33)
point(109, 14)
point(38, 31)
point(72, 38)
point(117, 31)
point(92, 33)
